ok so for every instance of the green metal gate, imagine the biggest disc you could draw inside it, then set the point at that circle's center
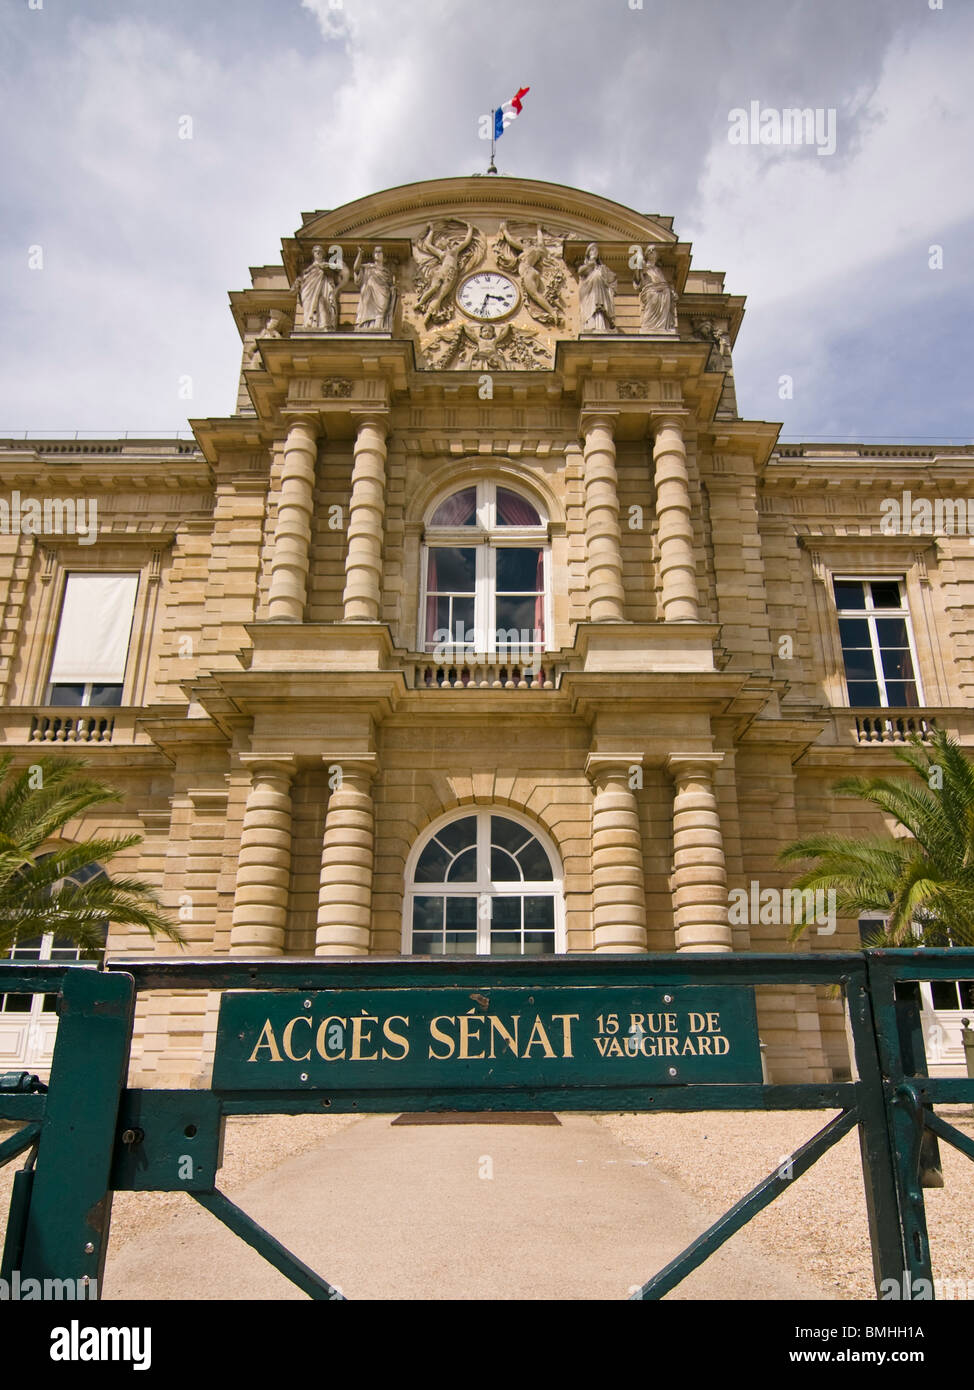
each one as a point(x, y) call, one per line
point(88, 1135)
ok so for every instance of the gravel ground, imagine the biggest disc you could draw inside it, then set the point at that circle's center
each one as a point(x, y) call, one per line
point(820, 1225)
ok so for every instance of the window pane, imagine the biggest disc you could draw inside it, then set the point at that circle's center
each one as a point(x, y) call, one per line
point(50, 1004)
point(886, 594)
point(944, 994)
point(459, 834)
point(93, 633)
point(517, 571)
point(504, 867)
point(534, 864)
point(16, 1003)
point(461, 914)
point(859, 665)
point(106, 695)
point(902, 693)
point(427, 915)
point(505, 943)
point(515, 511)
point(505, 915)
point(864, 694)
point(897, 665)
point(66, 695)
point(453, 569)
point(539, 914)
point(892, 632)
point(854, 632)
point(458, 510)
point(849, 593)
point(966, 988)
point(433, 864)
point(464, 867)
point(458, 944)
point(516, 624)
point(508, 833)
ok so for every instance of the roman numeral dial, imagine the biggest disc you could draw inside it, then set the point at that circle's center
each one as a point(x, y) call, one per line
point(488, 295)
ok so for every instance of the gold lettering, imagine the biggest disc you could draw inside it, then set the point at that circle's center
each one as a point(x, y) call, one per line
point(703, 1046)
point(439, 1036)
point(392, 1036)
point(271, 1045)
point(713, 1023)
point(541, 1041)
point(689, 1045)
point(718, 1050)
point(465, 1023)
point(320, 1038)
point(286, 1039)
point(357, 1039)
point(614, 1048)
point(566, 1032)
point(669, 1023)
point(671, 1045)
point(510, 1040)
point(696, 1022)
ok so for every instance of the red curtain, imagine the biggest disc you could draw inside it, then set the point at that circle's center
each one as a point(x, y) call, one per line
point(430, 598)
point(539, 601)
point(515, 511)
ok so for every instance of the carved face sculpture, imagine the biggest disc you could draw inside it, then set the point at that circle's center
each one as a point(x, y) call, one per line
point(592, 251)
point(317, 254)
point(378, 255)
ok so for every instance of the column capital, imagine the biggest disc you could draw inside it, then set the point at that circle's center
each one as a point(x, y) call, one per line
point(684, 764)
point(364, 764)
point(674, 416)
point(378, 419)
point(281, 764)
point(611, 764)
point(310, 419)
point(593, 419)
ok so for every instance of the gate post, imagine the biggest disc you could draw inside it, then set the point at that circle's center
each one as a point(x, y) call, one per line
point(878, 1161)
point(66, 1235)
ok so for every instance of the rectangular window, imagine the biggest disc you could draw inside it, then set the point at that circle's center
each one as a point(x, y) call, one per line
point(93, 639)
point(877, 643)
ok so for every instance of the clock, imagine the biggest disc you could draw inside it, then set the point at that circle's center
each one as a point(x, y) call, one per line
point(488, 295)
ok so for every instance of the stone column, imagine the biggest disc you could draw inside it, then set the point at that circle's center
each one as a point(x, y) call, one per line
point(677, 565)
point(699, 872)
point(618, 890)
point(603, 540)
point(291, 556)
point(347, 860)
point(264, 864)
point(366, 514)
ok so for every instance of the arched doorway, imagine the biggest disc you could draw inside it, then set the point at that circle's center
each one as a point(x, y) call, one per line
point(483, 882)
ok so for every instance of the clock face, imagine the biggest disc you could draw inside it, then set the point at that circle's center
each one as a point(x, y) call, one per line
point(488, 295)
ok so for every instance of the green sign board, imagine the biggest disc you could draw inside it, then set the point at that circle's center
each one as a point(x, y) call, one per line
point(350, 1039)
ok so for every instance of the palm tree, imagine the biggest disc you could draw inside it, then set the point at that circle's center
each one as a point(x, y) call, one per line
point(38, 890)
point(921, 882)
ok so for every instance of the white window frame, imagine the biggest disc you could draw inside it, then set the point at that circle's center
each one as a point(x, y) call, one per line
point(553, 887)
point(870, 614)
point(486, 537)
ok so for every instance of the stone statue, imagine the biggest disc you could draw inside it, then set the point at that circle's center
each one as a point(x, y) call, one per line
point(439, 266)
point(596, 294)
point(271, 329)
point(657, 297)
point(719, 339)
point(530, 259)
point(490, 350)
point(317, 288)
point(376, 284)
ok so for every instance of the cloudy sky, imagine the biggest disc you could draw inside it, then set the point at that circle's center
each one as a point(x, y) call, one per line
point(119, 240)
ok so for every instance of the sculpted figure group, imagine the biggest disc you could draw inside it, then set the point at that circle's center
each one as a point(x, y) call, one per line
point(319, 285)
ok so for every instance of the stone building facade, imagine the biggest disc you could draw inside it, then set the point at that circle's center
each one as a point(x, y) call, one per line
point(484, 594)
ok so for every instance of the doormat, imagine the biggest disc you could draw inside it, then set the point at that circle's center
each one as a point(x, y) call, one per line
point(479, 1117)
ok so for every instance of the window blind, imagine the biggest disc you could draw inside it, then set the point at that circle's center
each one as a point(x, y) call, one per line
point(96, 623)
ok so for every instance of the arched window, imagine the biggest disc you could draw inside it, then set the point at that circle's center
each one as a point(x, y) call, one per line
point(483, 883)
point(486, 581)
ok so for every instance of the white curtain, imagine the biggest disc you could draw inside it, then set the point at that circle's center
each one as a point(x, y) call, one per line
point(96, 622)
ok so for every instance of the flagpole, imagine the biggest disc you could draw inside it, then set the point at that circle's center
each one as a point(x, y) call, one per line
point(493, 168)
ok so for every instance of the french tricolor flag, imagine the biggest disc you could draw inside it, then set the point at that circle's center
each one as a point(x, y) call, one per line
point(506, 113)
